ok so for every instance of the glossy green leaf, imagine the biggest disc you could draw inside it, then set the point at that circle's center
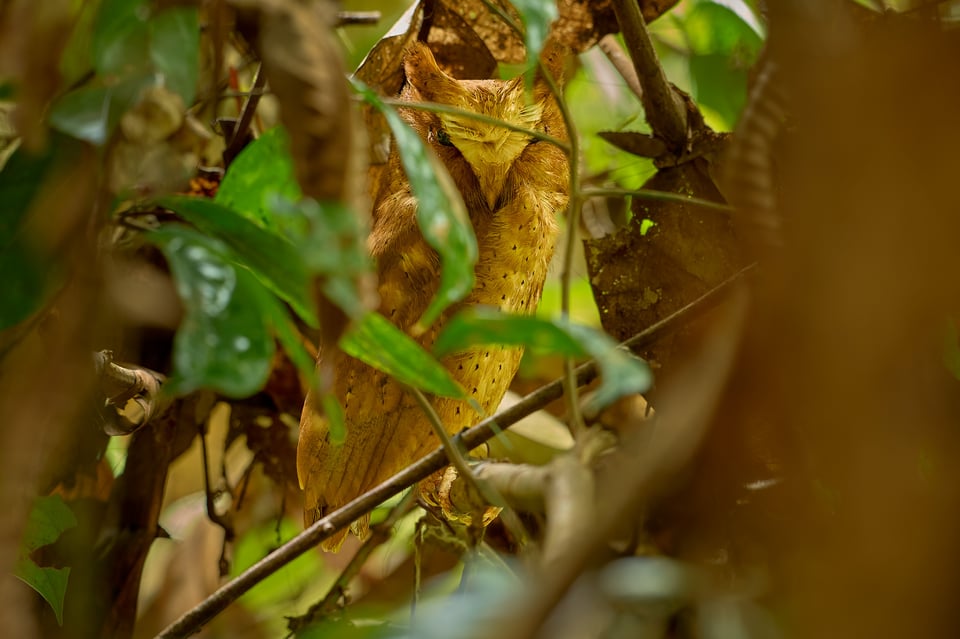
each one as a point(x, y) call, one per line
point(274, 260)
point(377, 342)
point(441, 213)
point(119, 42)
point(49, 518)
point(262, 171)
point(91, 113)
point(332, 242)
point(622, 373)
point(175, 49)
point(224, 341)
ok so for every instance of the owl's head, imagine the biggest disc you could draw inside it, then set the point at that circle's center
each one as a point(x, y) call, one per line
point(489, 150)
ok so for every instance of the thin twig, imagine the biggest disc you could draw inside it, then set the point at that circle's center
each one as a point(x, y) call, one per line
point(455, 455)
point(665, 111)
point(246, 115)
point(621, 62)
point(348, 18)
point(433, 107)
point(574, 205)
point(662, 196)
point(220, 520)
point(194, 619)
point(507, 19)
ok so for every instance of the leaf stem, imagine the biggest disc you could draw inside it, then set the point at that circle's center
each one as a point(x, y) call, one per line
point(574, 204)
point(433, 107)
point(649, 194)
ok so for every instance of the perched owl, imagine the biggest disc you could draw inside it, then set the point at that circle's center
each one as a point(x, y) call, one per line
point(513, 187)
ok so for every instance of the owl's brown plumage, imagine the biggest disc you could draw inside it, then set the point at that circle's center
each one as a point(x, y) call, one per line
point(513, 187)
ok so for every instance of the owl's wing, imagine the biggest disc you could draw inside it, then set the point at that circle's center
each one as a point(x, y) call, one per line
point(384, 426)
point(385, 432)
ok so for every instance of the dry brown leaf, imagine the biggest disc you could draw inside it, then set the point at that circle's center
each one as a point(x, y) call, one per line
point(644, 272)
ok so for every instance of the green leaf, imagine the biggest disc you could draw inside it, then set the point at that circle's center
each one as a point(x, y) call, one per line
point(50, 583)
point(273, 259)
point(377, 342)
point(48, 519)
point(537, 16)
point(441, 213)
point(331, 240)
point(224, 341)
point(720, 86)
point(262, 171)
point(175, 49)
point(91, 113)
point(723, 44)
point(120, 37)
point(711, 28)
point(623, 374)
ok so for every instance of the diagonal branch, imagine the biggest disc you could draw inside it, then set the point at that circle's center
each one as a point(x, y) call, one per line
point(664, 108)
point(194, 619)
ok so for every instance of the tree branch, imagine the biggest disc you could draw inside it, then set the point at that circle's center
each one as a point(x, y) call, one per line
point(665, 110)
point(191, 621)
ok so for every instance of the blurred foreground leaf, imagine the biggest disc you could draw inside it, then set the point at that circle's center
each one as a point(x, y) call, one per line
point(377, 342)
point(48, 519)
point(441, 213)
point(623, 374)
point(263, 170)
point(273, 259)
point(224, 341)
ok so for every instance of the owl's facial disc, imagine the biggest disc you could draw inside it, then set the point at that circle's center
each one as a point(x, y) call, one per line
point(490, 150)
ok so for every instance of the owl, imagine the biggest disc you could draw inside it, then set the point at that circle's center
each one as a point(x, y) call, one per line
point(514, 186)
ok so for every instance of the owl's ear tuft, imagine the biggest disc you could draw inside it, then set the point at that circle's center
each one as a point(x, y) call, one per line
point(554, 58)
point(426, 76)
